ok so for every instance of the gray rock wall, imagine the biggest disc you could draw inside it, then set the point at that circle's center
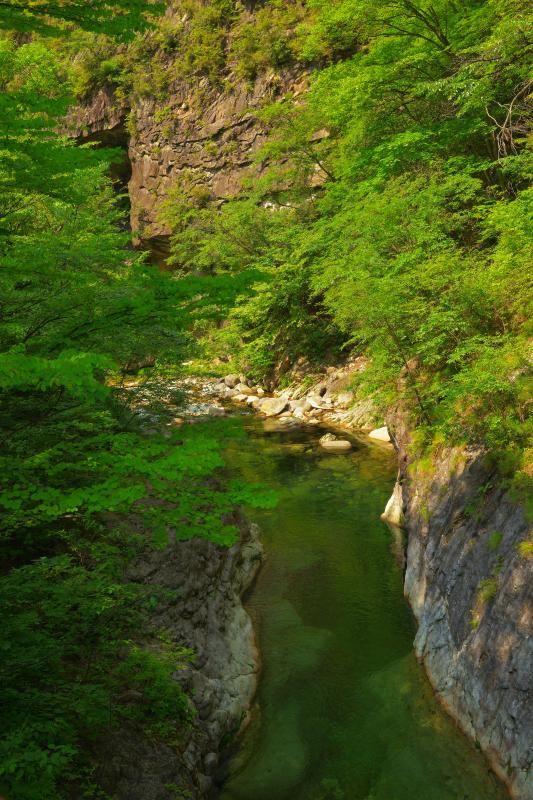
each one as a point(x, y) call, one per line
point(472, 594)
point(207, 616)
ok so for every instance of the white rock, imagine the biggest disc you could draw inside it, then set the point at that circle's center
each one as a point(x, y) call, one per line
point(313, 402)
point(241, 398)
point(251, 400)
point(393, 513)
point(380, 434)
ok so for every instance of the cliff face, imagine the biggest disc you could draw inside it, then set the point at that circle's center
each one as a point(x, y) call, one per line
point(206, 615)
point(213, 141)
point(210, 135)
point(472, 594)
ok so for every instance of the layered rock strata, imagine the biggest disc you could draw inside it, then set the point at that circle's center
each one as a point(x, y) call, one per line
point(203, 137)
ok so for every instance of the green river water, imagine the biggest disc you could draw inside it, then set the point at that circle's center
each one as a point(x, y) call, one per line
point(344, 711)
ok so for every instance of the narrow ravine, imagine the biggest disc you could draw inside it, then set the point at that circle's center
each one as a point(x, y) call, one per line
point(344, 711)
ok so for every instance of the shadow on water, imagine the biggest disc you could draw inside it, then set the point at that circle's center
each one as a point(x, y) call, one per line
point(344, 711)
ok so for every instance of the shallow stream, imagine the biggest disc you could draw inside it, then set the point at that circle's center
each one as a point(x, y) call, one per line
point(344, 711)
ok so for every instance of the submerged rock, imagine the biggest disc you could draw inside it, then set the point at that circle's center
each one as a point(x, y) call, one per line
point(330, 442)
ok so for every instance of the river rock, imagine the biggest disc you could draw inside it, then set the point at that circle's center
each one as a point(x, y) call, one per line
point(231, 381)
point(315, 402)
point(380, 434)
point(243, 388)
point(273, 406)
point(330, 442)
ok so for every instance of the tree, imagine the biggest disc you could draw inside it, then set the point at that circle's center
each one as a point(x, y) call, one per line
point(114, 17)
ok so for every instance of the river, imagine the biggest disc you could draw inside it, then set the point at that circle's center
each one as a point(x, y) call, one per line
point(344, 711)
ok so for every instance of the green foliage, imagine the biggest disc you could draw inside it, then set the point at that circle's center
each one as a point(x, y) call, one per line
point(81, 469)
point(115, 17)
point(525, 548)
point(487, 589)
point(495, 540)
point(394, 214)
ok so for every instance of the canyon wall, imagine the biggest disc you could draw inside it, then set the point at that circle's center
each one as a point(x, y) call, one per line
point(206, 135)
point(204, 612)
point(471, 591)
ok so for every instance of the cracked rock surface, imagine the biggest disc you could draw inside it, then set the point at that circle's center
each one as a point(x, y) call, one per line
point(207, 616)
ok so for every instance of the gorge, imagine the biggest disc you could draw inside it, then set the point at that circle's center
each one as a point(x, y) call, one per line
point(237, 238)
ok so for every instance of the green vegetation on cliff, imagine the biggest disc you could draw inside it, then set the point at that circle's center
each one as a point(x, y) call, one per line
point(392, 215)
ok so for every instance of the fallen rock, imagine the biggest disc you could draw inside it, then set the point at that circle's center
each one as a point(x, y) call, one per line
point(314, 403)
point(273, 406)
point(345, 399)
point(380, 434)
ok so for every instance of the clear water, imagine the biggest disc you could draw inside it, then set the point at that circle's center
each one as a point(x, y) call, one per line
point(344, 711)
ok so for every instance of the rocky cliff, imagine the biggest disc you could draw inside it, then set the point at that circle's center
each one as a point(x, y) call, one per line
point(206, 615)
point(205, 134)
point(471, 591)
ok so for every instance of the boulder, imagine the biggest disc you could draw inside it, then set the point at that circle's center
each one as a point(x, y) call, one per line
point(314, 402)
point(273, 406)
point(231, 381)
point(251, 400)
point(380, 434)
point(240, 398)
